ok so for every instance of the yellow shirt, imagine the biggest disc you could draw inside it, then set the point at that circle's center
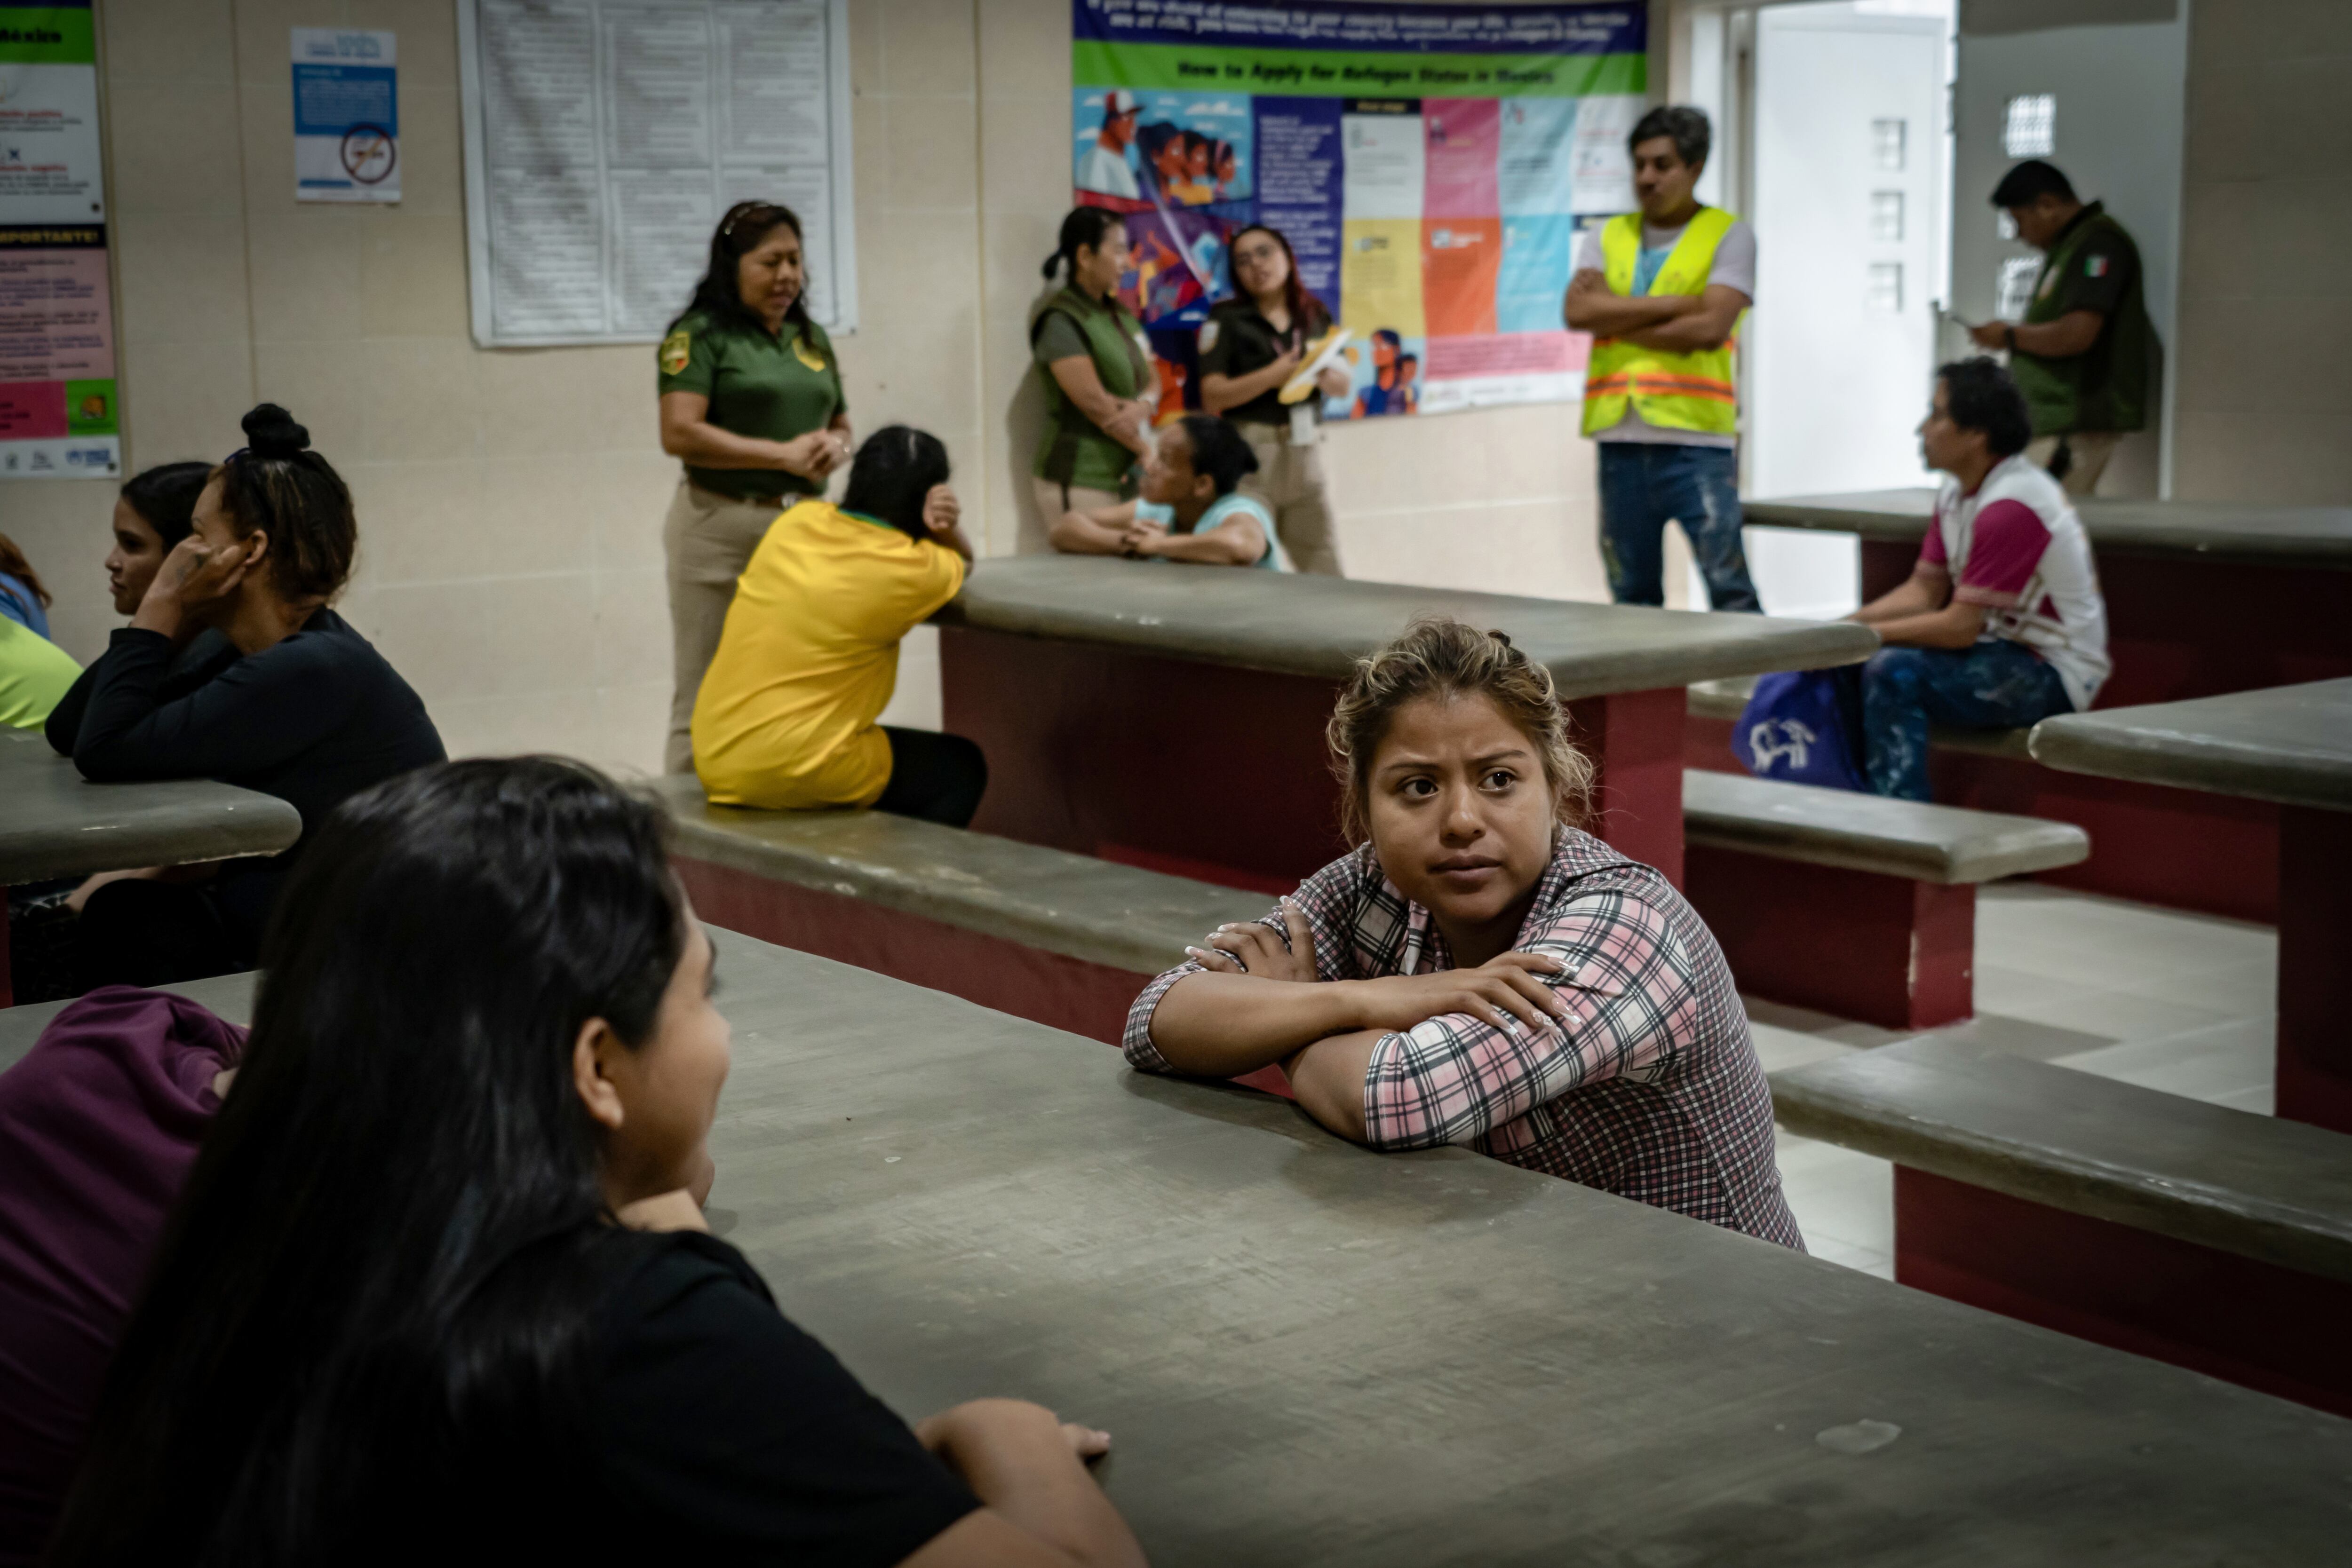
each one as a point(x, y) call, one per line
point(809, 658)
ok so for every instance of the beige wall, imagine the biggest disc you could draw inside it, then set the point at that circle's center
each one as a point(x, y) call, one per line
point(2266, 296)
point(510, 502)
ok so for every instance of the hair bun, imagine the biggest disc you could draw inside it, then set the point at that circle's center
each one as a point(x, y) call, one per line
point(271, 431)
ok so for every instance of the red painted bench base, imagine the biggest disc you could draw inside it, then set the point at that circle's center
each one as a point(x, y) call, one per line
point(2249, 1323)
point(1882, 949)
point(1051, 988)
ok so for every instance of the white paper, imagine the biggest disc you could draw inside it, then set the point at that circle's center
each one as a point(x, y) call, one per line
point(603, 139)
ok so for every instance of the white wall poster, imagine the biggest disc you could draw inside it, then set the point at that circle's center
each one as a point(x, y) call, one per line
point(603, 139)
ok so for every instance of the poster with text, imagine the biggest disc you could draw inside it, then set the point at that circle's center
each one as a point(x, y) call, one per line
point(1430, 164)
point(346, 115)
point(57, 413)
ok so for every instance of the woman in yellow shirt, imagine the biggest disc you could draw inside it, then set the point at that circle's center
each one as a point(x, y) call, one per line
point(809, 655)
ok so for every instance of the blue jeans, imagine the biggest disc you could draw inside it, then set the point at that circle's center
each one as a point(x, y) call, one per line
point(1643, 486)
point(1995, 685)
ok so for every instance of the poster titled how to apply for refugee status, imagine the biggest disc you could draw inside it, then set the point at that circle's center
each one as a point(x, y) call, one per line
point(1429, 163)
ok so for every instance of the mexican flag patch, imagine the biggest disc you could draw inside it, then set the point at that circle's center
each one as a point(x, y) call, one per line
point(2094, 266)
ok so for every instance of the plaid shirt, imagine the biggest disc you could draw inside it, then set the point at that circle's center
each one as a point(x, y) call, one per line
point(1651, 1091)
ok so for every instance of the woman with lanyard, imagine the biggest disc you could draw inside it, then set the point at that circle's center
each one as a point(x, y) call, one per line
point(752, 402)
point(1096, 371)
point(1251, 345)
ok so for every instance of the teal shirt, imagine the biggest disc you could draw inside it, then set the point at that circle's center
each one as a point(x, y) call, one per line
point(1222, 508)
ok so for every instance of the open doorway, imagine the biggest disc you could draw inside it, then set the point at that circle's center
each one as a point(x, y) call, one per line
point(1836, 119)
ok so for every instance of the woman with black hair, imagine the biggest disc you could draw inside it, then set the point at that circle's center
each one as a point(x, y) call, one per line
point(438, 1283)
point(1250, 347)
point(810, 654)
point(1190, 508)
point(1095, 367)
point(156, 511)
point(295, 703)
point(752, 402)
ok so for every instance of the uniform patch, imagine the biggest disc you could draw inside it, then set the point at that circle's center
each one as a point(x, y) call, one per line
point(1208, 337)
point(675, 349)
point(2094, 266)
point(806, 355)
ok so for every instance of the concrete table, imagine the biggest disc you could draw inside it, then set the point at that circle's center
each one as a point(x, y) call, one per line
point(54, 823)
point(2292, 747)
point(2202, 598)
point(1309, 1354)
point(1172, 716)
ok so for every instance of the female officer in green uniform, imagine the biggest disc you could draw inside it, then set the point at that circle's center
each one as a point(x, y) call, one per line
point(1250, 347)
point(1097, 369)
point(752, 401)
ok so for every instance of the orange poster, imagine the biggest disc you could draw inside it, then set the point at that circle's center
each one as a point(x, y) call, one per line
point(1460, 259)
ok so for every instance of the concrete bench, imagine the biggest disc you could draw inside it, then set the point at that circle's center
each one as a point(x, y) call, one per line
point(1060, 938)
point(1855, 904)
point(2206, 1236)
point(2153, 843)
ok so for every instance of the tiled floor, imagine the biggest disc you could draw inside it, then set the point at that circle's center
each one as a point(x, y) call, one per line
point(2179, 1002)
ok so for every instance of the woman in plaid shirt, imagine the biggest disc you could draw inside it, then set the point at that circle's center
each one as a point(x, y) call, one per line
point(1478, 971)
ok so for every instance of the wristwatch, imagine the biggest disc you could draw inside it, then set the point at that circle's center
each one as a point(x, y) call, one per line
point(2011, 330)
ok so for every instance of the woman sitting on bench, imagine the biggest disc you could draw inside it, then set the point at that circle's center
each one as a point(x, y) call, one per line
point(1190, 509)
point(808, 657)
point(438, 1277)
point(292, 703)
point(1479, 971)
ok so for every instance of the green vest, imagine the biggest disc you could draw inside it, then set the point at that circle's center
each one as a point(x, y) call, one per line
point(1672, 392)
point(1073, 450)
point(2106, 386)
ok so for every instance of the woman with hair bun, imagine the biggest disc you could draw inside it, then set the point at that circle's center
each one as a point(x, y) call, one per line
point(1480, 971)
point(1095, 367)
point(295, 705)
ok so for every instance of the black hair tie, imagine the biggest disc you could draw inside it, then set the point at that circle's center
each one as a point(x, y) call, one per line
point(272, 433)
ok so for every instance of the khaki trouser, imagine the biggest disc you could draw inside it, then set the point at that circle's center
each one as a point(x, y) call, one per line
point(1054, 498)
point(2090, 450)
point(1289, 480)
point(709, 539)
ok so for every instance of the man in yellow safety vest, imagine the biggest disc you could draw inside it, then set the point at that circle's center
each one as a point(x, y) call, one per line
point(1662, 292)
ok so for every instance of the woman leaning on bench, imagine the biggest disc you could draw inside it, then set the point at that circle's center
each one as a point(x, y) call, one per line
point(1478, 970)
point(437, 1279)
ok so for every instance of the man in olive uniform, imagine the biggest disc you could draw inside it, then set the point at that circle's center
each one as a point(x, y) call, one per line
point(2085, 355)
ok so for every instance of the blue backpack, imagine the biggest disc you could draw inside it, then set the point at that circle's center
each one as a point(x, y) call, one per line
point(1805, 726)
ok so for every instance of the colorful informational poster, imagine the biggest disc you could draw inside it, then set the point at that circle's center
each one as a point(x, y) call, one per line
point(346, 116)
point(57, 413)
point(1431, 165)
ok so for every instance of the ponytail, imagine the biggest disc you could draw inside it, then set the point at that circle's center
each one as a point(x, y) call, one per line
point(1084, 226)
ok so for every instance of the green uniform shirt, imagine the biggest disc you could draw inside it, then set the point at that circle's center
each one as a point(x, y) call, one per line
point(770, 386)
point(1073, 450)
point(1237, 339)
point(2092, 265)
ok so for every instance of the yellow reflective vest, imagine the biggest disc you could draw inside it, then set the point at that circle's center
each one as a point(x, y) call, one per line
point(1672, 392)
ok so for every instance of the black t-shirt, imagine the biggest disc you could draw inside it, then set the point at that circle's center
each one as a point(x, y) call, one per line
point(727, 1434)
point(1236, 340)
